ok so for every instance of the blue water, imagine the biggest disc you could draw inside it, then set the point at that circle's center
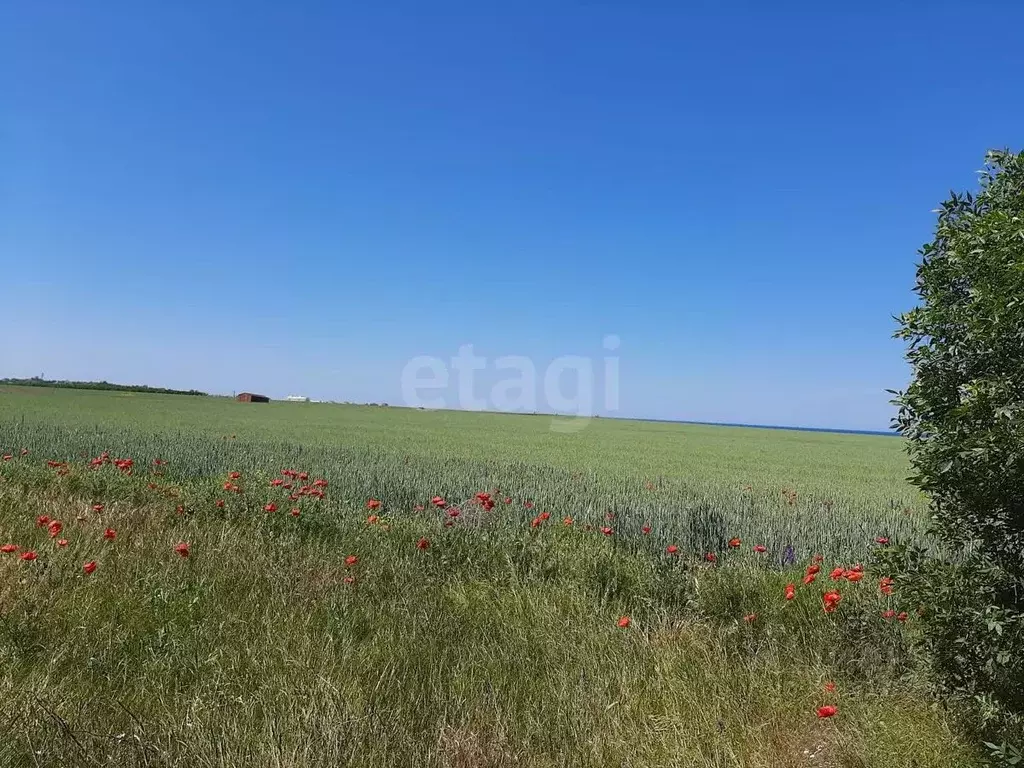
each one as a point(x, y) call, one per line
point(887, 433)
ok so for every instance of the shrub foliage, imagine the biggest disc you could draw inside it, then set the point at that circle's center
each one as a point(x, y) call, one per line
point(963, 415)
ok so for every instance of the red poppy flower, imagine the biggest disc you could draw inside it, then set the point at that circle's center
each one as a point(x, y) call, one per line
point(624, 622)
point(567, 522)
point(55, 527)
point(295, 513)
point(110, 534)
point(62, 542)
point(827, 711)
point(760, 548)
point(437, 501)
point(349, 580)
point(528, 504)
point(750, 618)
point(672, 549)
point(182, 548)
point(535, 523)
point(831, 600)
point(42, 521)
point(734, 543)
point(888, 614)
point(320, 483)
point(351, 560)
point(30, 555)
point(711, 557)
point(220, 503)
point(97, 508)
point(883, 540)
point(790, 591)
point(372, 519)
point(454, 512)
point(544, 515)
point(645, 530)
point(885, 585)
point(830, 687)
point(854, 575)
point(8, 548)
point(373, 504)
point(810, 577)
point(89, 567)
point(813, 569)
point(303, 476)
point(271, 507)
point(24, 451)
point(607, 531)
point(902, 616)
point(837, 574)
point(8, 457)
point(423, 544)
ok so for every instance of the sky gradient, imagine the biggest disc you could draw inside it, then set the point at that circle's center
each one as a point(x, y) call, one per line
point(300, 198)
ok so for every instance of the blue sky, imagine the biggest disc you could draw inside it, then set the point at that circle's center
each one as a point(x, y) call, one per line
point(303, 197)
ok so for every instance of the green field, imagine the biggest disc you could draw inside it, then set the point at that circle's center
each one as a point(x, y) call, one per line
point(635, 625)
point(849, 488)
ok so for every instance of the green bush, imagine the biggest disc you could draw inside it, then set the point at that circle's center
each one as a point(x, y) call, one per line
point(963, 415)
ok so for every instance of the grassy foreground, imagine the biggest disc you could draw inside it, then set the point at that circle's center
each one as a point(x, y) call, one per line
point(219, 629)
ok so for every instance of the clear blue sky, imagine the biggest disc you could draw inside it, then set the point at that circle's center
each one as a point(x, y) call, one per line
point(300, 197)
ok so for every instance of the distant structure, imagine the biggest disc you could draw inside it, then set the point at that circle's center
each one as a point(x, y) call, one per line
point(249, 397)
point(296, 399)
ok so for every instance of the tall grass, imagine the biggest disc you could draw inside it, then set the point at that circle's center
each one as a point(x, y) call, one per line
point(490, 638)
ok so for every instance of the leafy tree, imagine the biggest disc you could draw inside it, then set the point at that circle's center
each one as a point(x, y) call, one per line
point(963, 416)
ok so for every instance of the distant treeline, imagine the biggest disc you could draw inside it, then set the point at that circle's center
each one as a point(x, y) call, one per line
point(35, 381)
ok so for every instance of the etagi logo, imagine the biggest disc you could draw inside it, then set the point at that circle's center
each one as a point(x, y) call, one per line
point(566, 386)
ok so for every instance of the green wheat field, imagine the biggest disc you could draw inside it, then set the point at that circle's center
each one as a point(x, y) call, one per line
point(449, 589)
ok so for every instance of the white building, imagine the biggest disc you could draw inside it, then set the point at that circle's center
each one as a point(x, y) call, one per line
point(296, 399)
